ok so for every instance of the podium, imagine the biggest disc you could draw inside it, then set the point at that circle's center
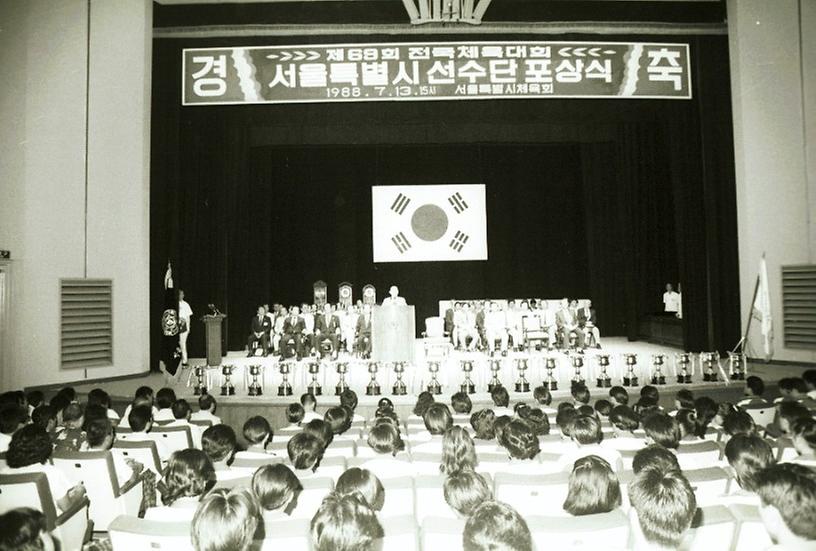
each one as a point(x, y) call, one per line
point(393, 333)
point(212, 332)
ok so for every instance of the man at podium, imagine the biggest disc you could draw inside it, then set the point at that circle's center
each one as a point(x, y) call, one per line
point(393, 298)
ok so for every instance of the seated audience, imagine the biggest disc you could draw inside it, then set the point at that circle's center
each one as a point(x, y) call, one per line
point(206, 410)
point(277, 489)
point(225, 521)
point(465, 490)
point(188, 477)
point(305, 452)
point(35, 399)
point(338, 419)
point(724, 409)
point(687, 423)
point(655, 456)
point(624, 422)
point(788, 495)
point(537, 420)
point(458, 451)
point(499, 425)
point(258, 434)
point(603, 408)
point(495, 526)
point(482, 423)
point(309, 403)
point(219, 444)
point(580, 394)
point(809, 376)
point(44, 416)
point(804, 441)
point(165, 398)
point(320, 429)
point(564, 419)
point(345, 523)
point(364, 483)
point(143, 397)
point(101, 436)
point(294, 414)
point(787, 414)
point(385, 440)
point(462, 406)
point(664, 505)
point(99, 397)
point(25, 529)
point(754, 390)
point(522, 445)
point(12, 418)
point(662, 429)
point(619, 396)
point(182, 414)
point(683, 399)
point(141, 421)
point(424, 400)
point(593, 487)
point(543, 398)
point(587, 435)
point(501, 402)
point(437, 419)
point(72, 438)
point(748, 455)
point(349, 399)
point(738, 422)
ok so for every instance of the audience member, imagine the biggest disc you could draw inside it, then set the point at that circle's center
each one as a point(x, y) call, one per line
point(277, 489)
point(165, 398)
point(593, 487)
point(482, 423)
point(219, 444)
point(142, 396)
point(619, 396)
point(543, 398)
point(339, 420)
point(684, 399)
point(748, 455)
point(494, 526)
point(345, 523)
point(662, 429)
point(294, 414)
point(580, 394)
point(12, 418)
point(309, 403)
point(458, 451)
point(788, 495)
point(258, 434)
point(587, 435)
point(72, 438)
point(141, 421)
point(501, 402)
point(305, 452)
point(384, 439)
point(754, 390)
point(624, 423)
point(188, 477)
point(664, 505)
point(537, 420)
point(44, 416)
point(655, 456)
point(687, 423)
point(206, 410)
point(465, 490)
point(603, 408)
point(25, 529)
point(182, 414)
point(564, 419)
point(98, 396)
point(437, 419)
point(349, 399)
point(738, 422)
point(364, 483)
point(424, 401)
point(225, 521)
point(809, 376)
point(462, 405)
point(321, 429)
point(804, 441)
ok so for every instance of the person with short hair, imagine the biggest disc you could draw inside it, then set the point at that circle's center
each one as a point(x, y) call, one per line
point(25, 529)
point(603, 408)
point(321, 429)
point(788, 504)
point(424, 400)
point(384, 439)
point(72, 438)
point(438, 419)
point(98, 396)
point(165, 398)
point(754, 390)
point(686, 421)
point(345, 523)
point(141, 422)
point(482, 423)
point(305, 452)
point(705, 410)
point(624, 423)
point(683, 399)
point(258, 434)
point(182, 413)
point(294, 414)
point(501, 402)
point(225, 520)
point(619, 396)
point(748, 455)
point(464, 490)
point(580, 394)
point(277, 489)
point(494, 525)
point(348, 398)
point(188, 477)
point(543, 398)
point(537, 420)
point(44, 416)
point(809, 376)
point(655, 456)
point(564, 419)
point(458, 451)
point(364, 483)
point(219, 443)
point(142, 397)
point(738, 422)
point(664, 505)
point(662, 429)
point(12, 418)
point(207, 406)
point(309, 403)
point(587, 435)
point(804, 441)
point(593, 487)
point(339, 420)
point(462, 406)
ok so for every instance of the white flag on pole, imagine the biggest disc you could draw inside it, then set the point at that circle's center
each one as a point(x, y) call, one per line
point(761, 310)
point(429, 223)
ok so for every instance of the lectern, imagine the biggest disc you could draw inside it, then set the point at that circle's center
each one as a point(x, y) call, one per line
point(393, 333)
point(212, 332)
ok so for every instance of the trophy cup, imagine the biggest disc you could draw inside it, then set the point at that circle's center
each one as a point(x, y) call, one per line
point(736, 366)
point(577, 364)
point(522, 384)
point(433, 385)
point(683, 360)
point(342, 369)
point(550, 383)
point(399, 385)
point(467, 385)
point(227, 389)
point(284, 389)
point(495, 367)
point(658, 377)
point(604, 380)
point(199, 388)
point(255, 388)
point(373, 388)
point(573, 340)
point(630, 378)
point(314, 371)
point(710, 358)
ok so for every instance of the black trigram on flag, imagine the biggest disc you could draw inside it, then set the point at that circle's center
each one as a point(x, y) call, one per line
point(400, 203)
point(457, 202)
point(458, 241)
point(400, 242)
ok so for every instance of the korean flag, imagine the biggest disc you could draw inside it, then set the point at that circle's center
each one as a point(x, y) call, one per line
point(428, 223)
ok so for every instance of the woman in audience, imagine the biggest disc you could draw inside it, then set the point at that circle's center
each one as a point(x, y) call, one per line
point(521, 444)
point(804, 441)
point(188, 477)
point(364, 483)
point(789, 413)
point(437, 419)
point(593, 487)
point(339, 421)
point(44, 416)
point(748, 455)
point(465, 490)
point(12, 419)
point(320, 429)
point(345, 523)
point(580, 394)
point(462, 405)
point(564, 418)
point(603, 408)
point(624, 422)
point(587, 435)
point(99, 397)
point(662, 429)
point(683, 399)
point(537, 420)
point(687, 422)
point(305, 454)
point(258, 435)
point(483, 422)
point(424, 401)
point(494, 525)
point(219, 443)
point(277, 489)
point(498, 427)
point(543, 398)
point(723, 410)
point(225, 521)
point(384, 439)
point(349, 399)
point(29, 451)
point(458, 451)
point(72, 438)
point(705, 410)
point(501, 402)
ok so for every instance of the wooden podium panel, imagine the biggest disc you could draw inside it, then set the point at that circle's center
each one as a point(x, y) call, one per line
point(212, 334)
point(393, 332)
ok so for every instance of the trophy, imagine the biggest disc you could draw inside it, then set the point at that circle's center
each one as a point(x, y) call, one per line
point(495, 367)
point(314, 371)
point(227, 389)
point(577, 364)
point(658, 377)
point(522, 384)
point(399, 385)
point(199, 388)
point(736, 366)
point(342, 369)
point(467, 385)
point(604, 380)
point(373, 388)
point(284, 389)
point(684, 361)
point(573, 340)
point(550, 383)
point(710, 358)
point(255, 388)
point(630, 378)
point(433, 385)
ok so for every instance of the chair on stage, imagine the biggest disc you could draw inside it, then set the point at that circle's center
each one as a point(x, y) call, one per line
point(437, 345)
point(535, 336)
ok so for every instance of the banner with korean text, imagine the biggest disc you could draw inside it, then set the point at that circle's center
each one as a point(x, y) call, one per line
point(434, 71)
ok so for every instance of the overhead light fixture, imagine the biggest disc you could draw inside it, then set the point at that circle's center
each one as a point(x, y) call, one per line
point(470, 12)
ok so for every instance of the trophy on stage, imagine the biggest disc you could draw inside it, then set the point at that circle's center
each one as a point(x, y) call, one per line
point(736, 366)
point(550, 383)
point(433, 385)
point(199, 388)
point(255, 388)
point(467, 385)
point(314, 371)
point(577, 365)
point(495, 367)
point(373, 388)
point(604, 380)
point(710, 358)
point(522, 384)
point(285, 389)
point(658, 377)
point(630, 378)
point(342, 369)
point(573, 340)
point(399, 385)
point(684, 361)
point(227, 389)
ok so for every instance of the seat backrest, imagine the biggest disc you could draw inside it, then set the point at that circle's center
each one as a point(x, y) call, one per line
point(443, 533)
point(144, 452)
point(237, 482)
point(751, 533)
point(712, 528)
point(430, 498)
point(709, 484)
point(134, 534)
point(534, 494)
point(255, 462)
point(173, 438)
point(763, 415)
point(291, 535)
point(601, 531)
point(206, 423)
point(310, 498)
point(341, 448)
point(698, 455)
point(399, 497)
point(400, 533)
point(434, 327)
point(28, 490)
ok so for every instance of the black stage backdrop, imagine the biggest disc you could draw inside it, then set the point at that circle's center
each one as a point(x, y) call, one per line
point(605, 199)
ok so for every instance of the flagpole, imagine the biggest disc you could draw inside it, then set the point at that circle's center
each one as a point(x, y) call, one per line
point(744, 340)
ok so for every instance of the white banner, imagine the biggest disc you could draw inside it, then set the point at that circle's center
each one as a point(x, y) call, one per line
point(429, 223)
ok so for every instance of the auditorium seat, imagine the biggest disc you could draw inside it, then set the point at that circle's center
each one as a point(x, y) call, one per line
point(237, 482)
point(601, 531)
point(763, 414)
point(430, 499)
point(173, 438)
point(96, 472)
point(341, 449)
point(399, 497)
point(533, 494)
point(310, 498)
point(134, 534)
point(400, 533)
point(709, 484)
point(442, 533)
point(255, 462)
point(699, 455)
point(426, 463)
point(289, 534)
point(32, 490)
point(143, 452)
point(751, 532)
point(206, 423)
point(712, 528)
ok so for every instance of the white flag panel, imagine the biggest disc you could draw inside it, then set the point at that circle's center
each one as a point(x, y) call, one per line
point(429, 223)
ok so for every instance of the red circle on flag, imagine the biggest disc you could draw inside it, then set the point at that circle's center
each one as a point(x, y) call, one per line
point(429, 222)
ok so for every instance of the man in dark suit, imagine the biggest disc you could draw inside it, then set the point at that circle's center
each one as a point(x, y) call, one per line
point(261, 326)
point(327, 326)
point(293, 327)
point(364, 332)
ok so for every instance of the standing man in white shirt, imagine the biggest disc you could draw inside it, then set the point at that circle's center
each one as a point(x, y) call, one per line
point(185, 314)
point(393, 297)
point(671, 300)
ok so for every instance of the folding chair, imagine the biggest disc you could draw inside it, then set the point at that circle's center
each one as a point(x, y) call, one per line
point(136, 534)
point(709, 484)
point(399, 497)
point(173, 438)
point(310, 498)
point(144, 452)
point(254, 463)
point(534, 494)
point(442, 533)
point(712, 528)
point(430, 497)
point(400, 533)
point(290, 534)
point(699, 455)
point(601, 531)
point(763, 414)
point(751, 533)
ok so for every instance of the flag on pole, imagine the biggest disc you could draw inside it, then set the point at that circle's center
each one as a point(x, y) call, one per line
point(429, 223)
point(171, 353)
point(761, 309)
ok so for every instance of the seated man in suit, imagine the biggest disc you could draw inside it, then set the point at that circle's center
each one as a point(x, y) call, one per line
point(514, 327)
point(327, 326)
point(277, 327)
point(348, 327)
point(496, 327)
point(465, 328)
point(588, 322)
point(308, 322)
point(364, 332)
point(293, 328)
point(567, 324)
point(479, 308)
point(260, 332)
point(449, 322)
point(546, 316)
